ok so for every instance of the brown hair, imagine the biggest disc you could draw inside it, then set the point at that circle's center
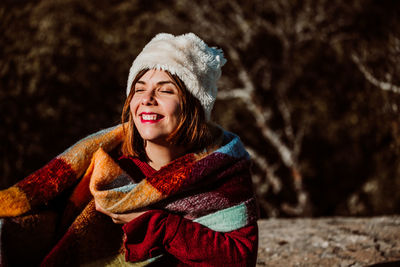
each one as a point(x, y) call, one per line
point(193, 131)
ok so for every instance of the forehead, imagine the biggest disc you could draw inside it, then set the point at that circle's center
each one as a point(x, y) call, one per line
point(155, 76)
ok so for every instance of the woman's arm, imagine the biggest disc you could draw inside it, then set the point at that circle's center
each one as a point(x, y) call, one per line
point(157, 231)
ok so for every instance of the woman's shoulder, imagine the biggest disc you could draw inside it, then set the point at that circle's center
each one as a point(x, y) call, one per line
point(225, 142)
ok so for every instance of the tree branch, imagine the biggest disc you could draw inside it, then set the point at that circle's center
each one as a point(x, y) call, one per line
point(385, 86)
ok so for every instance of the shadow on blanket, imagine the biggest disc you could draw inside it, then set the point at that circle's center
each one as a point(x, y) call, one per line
point(44, 239)
point(26, 240)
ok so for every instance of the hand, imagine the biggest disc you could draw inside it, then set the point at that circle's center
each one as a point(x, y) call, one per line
point(119, 218)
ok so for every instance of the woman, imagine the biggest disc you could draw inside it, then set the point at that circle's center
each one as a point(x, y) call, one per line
point(182, 185)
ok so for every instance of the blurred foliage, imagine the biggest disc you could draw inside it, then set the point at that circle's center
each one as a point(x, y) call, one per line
point(312, 87)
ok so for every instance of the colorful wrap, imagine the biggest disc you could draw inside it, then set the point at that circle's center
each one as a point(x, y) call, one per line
point(186, 176)
point(213, 189)
point(59, 174)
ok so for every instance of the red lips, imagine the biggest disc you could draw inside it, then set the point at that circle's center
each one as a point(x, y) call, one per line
point(150, 117)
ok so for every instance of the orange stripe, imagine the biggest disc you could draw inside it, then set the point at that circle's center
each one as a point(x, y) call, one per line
point(13, 202)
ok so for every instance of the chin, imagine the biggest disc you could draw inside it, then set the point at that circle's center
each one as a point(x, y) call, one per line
point(154, 138)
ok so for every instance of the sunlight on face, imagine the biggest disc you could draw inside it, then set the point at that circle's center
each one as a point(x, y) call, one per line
point(155, 106)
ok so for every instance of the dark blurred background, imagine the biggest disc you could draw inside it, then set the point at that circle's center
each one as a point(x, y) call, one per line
point(312, 87)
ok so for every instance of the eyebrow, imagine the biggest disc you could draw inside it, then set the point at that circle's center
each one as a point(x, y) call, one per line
point(159, 83)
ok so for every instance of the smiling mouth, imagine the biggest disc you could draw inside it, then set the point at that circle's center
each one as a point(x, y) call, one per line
point(150, 117)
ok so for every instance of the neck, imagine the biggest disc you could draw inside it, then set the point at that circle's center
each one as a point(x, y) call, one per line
point(161, 155)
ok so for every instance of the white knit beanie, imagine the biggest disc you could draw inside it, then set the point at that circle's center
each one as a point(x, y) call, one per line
point(188, 57)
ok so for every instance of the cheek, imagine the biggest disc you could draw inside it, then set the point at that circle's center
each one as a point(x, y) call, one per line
point(131, 108)
point(176, 110)
point(133, 105)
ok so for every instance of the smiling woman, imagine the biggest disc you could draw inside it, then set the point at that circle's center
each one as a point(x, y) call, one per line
point(155, 107)
point(191, 130)
point(180, 184)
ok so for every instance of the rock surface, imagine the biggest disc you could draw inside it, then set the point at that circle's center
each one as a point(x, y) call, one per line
point(336, 241)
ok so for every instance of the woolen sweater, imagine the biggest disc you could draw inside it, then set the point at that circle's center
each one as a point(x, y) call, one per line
point(182, 241)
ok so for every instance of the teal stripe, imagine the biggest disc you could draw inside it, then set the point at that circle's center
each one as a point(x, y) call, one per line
point(226, 220)
point(234, 147)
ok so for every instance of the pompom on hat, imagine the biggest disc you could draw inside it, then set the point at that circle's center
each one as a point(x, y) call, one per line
point(188, 57)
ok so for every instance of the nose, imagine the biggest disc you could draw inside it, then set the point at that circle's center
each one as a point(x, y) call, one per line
point(148, 98)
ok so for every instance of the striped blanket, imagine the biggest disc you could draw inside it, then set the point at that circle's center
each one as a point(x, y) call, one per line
point(212, 188)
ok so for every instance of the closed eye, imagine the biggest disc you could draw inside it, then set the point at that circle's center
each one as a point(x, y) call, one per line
point(138, 90)
point(168, 91)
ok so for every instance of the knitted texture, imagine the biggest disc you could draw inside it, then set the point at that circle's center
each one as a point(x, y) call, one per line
point(216, 184)
point(188, 57)
point(224, 173)
point(56, 176)
point(80, 226)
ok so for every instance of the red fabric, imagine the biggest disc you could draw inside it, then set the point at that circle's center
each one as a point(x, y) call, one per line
point(188, 242)
point(185, 243)
point(139, 169)
point(47, 182)
point(163, 181)
point(169, 179)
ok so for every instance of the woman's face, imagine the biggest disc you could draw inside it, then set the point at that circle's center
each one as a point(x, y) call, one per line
point(155, 106)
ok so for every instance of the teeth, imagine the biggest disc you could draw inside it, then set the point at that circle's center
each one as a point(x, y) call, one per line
point(149, 117)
